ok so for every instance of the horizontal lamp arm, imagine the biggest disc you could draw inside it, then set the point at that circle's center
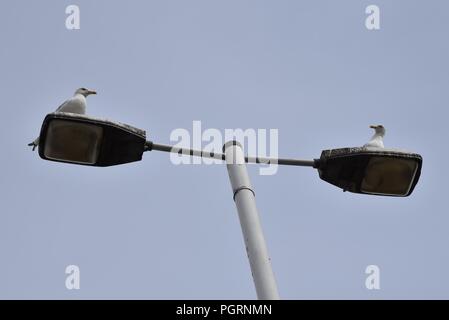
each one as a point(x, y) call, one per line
point(149, 146)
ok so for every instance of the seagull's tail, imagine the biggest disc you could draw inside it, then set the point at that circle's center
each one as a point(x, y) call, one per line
point(34, 144)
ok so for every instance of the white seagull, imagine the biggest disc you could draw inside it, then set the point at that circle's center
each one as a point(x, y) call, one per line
point(377, 139)
point(75, 104)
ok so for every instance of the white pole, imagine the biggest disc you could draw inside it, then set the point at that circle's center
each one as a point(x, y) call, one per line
point(245, 202)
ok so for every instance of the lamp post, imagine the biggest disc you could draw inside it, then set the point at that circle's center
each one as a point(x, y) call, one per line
point(80, 139)
point(244, 197)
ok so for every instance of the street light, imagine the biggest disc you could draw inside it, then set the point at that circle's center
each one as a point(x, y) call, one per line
point(83, 140)
point(79, 139)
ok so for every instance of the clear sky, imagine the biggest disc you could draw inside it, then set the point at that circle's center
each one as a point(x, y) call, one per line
point(151, 229)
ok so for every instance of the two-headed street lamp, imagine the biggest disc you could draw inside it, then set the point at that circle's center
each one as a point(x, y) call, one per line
point(80, 139)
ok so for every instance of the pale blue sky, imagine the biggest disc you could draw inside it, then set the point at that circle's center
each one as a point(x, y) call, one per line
point(154, 230)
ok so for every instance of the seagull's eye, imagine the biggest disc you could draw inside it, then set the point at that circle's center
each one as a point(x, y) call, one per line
point(83, 89)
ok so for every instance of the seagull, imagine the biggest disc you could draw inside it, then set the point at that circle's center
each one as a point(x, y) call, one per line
point(377, 139)
point(75, 104)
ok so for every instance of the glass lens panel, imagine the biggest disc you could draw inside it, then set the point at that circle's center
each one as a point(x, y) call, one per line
point(73, 141)
point(389, 176)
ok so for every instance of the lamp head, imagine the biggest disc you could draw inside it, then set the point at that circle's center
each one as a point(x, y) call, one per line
point(80, 139)
point(387, 172)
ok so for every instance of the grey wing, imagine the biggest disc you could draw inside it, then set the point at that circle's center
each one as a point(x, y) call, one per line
point(64, 104)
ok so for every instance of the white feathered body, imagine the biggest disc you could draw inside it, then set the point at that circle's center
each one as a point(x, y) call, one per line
point(376, 141)
point(76, 104)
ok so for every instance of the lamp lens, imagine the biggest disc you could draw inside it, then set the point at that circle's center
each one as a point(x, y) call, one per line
point(73, 141)
point(389, 176)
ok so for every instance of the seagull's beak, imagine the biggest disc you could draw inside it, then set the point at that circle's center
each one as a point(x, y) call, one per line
point(92, 92)
point(373, 127)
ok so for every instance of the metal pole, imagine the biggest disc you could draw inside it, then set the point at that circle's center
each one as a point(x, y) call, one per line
point(245, 202)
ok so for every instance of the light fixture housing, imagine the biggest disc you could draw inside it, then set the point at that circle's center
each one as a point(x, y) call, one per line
point(84, 140)
point(368, 170)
